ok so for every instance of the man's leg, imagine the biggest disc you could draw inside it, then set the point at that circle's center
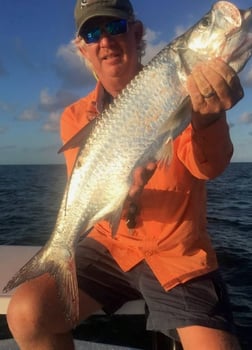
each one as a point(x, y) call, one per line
point(203, 338)
point(36, 319)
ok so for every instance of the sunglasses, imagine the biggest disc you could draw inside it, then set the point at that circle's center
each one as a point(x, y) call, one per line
point(115, 27)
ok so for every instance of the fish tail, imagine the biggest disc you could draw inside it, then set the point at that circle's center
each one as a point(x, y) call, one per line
point(63, 270)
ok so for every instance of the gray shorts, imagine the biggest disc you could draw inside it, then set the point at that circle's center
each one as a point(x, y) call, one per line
point(201, 301)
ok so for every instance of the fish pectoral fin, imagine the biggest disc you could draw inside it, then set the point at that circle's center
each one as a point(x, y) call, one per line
point(79, 138)
point(165, 154)
point(114, 220)
point(177, 121)
point(62, 268)
point(175, 124)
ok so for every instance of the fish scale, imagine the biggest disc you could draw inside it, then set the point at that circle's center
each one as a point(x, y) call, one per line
point(137, 127)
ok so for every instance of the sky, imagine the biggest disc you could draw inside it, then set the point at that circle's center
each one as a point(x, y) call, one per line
point(40, 74)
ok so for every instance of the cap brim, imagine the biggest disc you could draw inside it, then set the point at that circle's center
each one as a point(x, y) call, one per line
point(105, 13)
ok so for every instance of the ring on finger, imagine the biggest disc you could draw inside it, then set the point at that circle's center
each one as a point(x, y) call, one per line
point(210, 94)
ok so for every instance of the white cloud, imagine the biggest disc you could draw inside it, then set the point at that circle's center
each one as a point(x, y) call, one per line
point(68, 54)
point(246, 76)
point(52, 123)
point(29, 114)
point(246, 118)
point(179, 30)
point(71, 69)
point(153, 45)
point(58, 101)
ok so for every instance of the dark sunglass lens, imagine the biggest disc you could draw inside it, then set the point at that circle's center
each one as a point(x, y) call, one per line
point(117, 27)
point(91, 35)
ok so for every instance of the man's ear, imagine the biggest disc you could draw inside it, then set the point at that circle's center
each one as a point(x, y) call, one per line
point(80, 47)
point(82, 51)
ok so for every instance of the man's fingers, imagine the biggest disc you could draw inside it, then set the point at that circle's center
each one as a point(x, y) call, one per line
point(140, 178)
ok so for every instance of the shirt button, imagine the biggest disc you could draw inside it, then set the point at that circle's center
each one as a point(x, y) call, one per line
point(148, 253)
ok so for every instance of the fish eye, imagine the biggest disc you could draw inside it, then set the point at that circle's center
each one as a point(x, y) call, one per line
point(205, 22)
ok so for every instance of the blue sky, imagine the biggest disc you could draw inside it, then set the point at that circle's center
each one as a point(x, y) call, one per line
point(40, 74)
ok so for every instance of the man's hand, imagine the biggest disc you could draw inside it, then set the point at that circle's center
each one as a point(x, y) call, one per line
point(214, 87)
point(141, 176)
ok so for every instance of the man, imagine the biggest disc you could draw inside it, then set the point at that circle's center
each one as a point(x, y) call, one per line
point(162, 251)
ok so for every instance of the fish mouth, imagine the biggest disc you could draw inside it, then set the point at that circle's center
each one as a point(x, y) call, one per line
point(245, 46)
point(240, 55)
point(243, 42)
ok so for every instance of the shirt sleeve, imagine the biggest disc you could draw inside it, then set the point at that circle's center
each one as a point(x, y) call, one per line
point(68, 128)
point(73, 119)
point(206, 152)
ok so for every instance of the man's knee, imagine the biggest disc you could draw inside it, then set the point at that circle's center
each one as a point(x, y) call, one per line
point(35, 307)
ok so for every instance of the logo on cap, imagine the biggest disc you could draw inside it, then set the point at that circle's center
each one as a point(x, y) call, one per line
point(86, 2)
point(83, 3)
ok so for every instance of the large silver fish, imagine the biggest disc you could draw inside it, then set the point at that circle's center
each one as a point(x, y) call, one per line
point(153, 109)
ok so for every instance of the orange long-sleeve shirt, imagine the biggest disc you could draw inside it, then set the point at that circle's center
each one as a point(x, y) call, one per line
point(171, 232)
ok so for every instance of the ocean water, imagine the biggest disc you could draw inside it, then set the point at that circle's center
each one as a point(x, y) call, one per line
point(30, 196)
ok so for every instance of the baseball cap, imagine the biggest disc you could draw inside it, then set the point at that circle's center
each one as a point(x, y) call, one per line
point(86, 9)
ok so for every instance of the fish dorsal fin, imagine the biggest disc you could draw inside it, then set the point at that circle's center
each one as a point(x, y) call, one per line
point(80, 137)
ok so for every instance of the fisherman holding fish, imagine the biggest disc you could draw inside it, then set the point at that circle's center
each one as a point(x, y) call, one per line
point(161, 250)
